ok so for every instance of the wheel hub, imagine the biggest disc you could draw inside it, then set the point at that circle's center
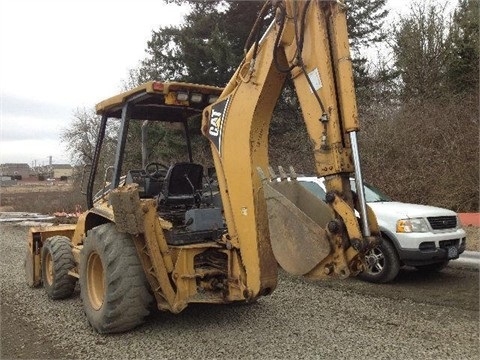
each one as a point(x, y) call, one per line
point(49, 269)
point(371, 260)
point(95, 281)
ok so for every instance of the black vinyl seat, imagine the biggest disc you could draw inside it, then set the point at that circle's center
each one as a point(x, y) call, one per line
point(182, 186)
point(181, 202)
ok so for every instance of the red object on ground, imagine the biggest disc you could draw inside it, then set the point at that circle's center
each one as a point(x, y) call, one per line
point(468, 219)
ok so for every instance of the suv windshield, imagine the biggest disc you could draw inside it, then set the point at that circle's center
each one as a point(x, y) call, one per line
point(372, 194)
point(314, 188)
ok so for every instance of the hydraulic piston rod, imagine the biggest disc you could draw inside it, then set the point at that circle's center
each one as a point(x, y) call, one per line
point(359, 184)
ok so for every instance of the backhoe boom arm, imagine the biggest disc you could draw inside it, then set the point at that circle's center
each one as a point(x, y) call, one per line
point(308, 41)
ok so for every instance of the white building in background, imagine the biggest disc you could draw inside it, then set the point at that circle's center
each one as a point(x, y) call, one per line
point(19, 171)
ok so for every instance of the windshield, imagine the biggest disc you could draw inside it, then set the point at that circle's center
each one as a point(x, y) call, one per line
point(372, 194)
point(314, 188)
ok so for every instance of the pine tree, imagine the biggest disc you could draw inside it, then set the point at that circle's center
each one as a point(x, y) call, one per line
point(208, 47)
point(463, 68)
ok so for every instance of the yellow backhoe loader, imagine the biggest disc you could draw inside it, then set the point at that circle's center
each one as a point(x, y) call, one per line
point(178, 234)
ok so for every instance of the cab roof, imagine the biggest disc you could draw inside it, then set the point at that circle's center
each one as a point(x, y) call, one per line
point(161, 101)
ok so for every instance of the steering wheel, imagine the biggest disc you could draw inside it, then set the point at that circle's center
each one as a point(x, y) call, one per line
point(156, 170)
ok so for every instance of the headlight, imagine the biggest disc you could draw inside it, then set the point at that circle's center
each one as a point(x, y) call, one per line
point(459, 223)
point(411, 225)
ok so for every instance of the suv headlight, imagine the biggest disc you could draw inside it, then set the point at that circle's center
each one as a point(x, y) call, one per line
point(412, 225)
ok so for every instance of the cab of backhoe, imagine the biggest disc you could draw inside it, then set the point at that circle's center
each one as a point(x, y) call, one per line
point(159, 115)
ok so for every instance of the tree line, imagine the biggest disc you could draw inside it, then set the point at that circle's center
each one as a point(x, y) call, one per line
point(417, 99)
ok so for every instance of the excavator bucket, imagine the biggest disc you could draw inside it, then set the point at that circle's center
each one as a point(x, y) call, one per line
point(297, 221)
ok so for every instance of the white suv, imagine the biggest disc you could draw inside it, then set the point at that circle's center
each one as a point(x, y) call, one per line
point(425, 237)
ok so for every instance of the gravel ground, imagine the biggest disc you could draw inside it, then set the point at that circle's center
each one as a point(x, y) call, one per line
point(300, 320)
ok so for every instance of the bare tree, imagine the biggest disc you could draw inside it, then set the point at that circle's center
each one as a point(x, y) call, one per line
point(81, 136)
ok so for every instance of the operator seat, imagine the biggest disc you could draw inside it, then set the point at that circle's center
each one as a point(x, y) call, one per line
point(182, 186)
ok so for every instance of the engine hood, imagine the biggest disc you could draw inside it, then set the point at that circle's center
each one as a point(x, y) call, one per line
point(404, 210)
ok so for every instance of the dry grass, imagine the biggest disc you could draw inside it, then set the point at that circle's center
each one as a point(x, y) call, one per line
point(36, 187)
point(41, 197)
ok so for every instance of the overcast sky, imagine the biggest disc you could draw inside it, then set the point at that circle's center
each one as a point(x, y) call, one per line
point(60, 55)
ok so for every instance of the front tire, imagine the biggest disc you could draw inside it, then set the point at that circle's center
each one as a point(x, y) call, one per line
point(57, 261)
point(114, 288)
point(382, 262)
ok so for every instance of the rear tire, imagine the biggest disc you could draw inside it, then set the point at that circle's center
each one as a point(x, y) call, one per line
point(382, 262)
point(57, 260)
point(114, 288)
point(432, 267)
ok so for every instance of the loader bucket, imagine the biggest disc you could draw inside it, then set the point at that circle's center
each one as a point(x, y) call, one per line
point(297, 221)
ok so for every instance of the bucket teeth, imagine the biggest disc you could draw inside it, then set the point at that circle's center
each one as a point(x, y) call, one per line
point(282, 174)
point(261, 174)
point(293, 174)
point(272, 173)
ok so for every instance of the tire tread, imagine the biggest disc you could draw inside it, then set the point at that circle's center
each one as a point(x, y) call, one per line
point(127, 299)
point(60, 250)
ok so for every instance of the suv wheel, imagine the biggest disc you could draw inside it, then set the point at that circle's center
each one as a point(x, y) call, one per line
point(382, 263)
